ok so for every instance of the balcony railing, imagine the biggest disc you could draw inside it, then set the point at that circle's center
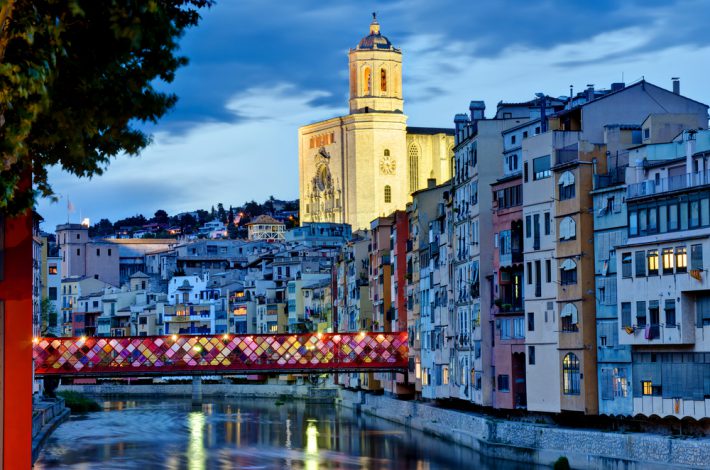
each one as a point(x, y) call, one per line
point(566, 155)
point(663, 185)
point(614, 177)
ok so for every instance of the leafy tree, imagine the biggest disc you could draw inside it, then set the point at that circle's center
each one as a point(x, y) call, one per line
point(102, 228)
point(77, 77)
point(187, 223)
point(232, 229)
point(161, 217)
point(203, 216)
point(132, 222)
point(221, 213)
point(48, 315)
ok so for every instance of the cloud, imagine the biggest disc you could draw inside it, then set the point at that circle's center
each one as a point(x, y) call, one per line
point(254, 77)
point(228, 162)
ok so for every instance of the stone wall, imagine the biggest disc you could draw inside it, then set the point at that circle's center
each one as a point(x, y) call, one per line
point(534, 443)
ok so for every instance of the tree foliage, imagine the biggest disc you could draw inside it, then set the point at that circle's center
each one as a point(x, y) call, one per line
point(76, 79)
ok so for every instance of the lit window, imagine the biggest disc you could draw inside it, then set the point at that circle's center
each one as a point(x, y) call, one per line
point(383, 80)
point(647, 387)
point(681, 259)
point(366, 78)
point(570, 375)
point(652, 258)
point(667, 260)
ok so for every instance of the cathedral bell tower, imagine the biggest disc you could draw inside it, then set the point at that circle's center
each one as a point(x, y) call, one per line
point(375, 74)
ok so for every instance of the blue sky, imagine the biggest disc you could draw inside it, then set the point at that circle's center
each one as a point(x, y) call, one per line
point(260, 68)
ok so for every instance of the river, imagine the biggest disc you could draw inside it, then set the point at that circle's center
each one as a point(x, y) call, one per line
point(245, 433)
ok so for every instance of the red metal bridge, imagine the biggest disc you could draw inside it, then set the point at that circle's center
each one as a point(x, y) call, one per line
point(220, 354)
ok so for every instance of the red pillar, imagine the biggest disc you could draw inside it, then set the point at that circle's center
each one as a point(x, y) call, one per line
point(16, 337)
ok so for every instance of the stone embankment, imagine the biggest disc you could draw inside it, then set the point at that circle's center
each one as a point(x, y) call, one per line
point(535, 443)
point(47, 414)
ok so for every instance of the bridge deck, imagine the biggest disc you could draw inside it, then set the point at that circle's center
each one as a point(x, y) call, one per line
point(220, 354)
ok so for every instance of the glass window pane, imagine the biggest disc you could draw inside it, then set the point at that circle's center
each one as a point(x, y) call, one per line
point(672, 217)
point(633, 223)
point(694, 214)
point(663, 219)
point(684, 216)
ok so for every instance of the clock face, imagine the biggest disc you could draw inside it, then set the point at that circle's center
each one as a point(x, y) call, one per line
point(387, 165)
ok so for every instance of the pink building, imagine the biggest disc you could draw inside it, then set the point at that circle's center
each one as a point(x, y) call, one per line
point(507, 309)
point(83, 257)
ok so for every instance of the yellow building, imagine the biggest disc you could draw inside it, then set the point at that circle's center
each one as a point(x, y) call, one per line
point(367, 164)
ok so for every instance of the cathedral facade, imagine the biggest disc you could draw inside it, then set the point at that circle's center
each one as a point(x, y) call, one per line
point(367, 164)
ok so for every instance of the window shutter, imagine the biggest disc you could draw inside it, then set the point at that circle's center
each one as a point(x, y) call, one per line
point(607, 393)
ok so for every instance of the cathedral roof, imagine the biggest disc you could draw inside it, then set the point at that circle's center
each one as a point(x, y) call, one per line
point(375, 40)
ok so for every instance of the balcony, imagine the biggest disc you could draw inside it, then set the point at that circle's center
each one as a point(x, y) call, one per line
point(613, 178)
point(665, 185)
point(567, 155)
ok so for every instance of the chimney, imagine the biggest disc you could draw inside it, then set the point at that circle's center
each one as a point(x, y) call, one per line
point(676, 85)
point(477, 109)
point(590, 92)
point(430, 183)
point(460, 122)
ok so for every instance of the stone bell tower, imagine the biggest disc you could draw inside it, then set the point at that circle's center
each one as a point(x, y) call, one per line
point(375, 74)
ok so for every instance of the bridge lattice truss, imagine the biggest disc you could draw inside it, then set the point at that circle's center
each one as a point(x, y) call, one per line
point(221, 354)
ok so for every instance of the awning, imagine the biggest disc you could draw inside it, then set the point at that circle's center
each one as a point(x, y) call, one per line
point(570, 310)
point(568, 265)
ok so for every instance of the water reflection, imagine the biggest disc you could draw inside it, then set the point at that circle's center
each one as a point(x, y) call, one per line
point(225, 434)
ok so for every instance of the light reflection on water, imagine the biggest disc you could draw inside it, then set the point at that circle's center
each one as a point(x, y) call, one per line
point(248, 434)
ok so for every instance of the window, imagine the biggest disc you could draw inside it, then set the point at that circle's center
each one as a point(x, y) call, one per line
point(142, 320)
point(525, 134)
point(648, 389)
point(525, 172)
point(681, 259)
point(78, 251)
point(568, 272)
point(570, 374)
point(531, 321)
point(98, 252)
point(387, 152)
point(568, 229)
point(621, 388)
point(503, 383)
point(566, 186)
point(547, 223)
point(529, 276)
point(383, 80)
point(652, 262)
point(626, 265)
point(569, 318)
point(667, 257)
point(670, 313)
point(538, 278)
point(388, 194)
point(528, 226)
point(633, 223)
point(52, 269)
point(109, 251)
point(52, 293)
point(640, 264)
point(702, 310)
point(512, 139)
point(602, 341)
point(696, 257)
point(694, 214)
point(366, 78)
point(548, 270)
point(541, 168)
point(531, 355)
point(641, 313)
point(505, 328)
point(413, 168)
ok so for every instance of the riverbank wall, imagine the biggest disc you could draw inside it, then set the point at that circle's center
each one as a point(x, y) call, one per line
point(537, 444)
point(305, 392)
point(47, 414)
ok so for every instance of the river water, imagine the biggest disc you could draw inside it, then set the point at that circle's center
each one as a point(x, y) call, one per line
point(247, 434)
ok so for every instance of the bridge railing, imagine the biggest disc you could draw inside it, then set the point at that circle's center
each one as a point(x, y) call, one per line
point(220, 354)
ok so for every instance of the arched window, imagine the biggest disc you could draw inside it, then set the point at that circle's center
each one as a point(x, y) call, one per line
point(387, 152)
point(570, 374)
point(569, 317)
point(366, 81)
point(383, 80)
point(568, 272)
point(568, 229)
point(388, 194)
point(413, 168)
point(566, 185)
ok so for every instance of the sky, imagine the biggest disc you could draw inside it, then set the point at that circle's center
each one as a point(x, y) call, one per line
point(259, 69)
